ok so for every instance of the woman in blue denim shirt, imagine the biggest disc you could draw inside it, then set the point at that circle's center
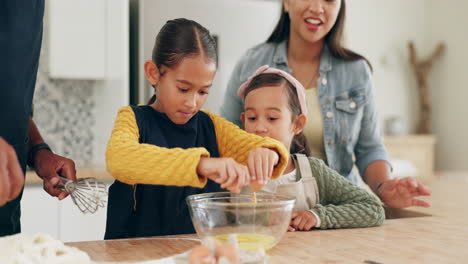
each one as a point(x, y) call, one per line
point(307, 43)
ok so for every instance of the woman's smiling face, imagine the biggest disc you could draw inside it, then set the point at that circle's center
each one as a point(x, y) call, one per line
point(312, 20)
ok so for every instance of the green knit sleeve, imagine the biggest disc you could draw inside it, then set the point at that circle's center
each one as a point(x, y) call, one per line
point(342, 203)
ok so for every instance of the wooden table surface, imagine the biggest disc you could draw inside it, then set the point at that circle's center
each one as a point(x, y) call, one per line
point(416, 235)
point(94, 171)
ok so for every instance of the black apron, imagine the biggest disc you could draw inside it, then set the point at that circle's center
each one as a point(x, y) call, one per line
point(156, 210)
point(20, 45)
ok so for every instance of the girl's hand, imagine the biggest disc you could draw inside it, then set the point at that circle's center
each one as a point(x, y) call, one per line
point(261, 163)
point(401, 193)
point(302, 221)
point(225, 171)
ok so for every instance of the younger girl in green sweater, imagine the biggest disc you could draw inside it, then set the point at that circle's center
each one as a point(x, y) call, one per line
point(274, 106)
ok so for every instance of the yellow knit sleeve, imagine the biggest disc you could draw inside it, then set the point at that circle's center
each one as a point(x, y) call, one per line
point(236, 143)
point(133, 163)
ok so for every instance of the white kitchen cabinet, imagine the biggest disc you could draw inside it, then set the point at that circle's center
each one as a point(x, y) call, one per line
point(39, 212)
point(42, 213)
point(77, 38)
point(76, 226)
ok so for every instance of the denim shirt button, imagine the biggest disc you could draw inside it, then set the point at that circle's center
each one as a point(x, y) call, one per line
point(352, 105)
point(324, 81)
point(329, 115)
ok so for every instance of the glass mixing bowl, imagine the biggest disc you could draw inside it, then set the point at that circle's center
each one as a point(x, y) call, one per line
point(259, 224)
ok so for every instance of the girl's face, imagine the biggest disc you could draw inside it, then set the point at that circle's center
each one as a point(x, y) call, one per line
point(311, 20)
point(181, 91)
point(267, 114)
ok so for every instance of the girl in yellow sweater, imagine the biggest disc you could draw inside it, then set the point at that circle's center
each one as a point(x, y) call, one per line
point(162, 152)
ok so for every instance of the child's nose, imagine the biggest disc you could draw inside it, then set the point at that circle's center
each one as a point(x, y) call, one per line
point(261, 128)
point(191, 101)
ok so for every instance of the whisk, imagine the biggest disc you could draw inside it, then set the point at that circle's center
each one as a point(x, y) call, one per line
point(88, 194)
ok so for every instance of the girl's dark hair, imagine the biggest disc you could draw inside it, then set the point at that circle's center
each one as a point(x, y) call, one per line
point(181, 38)
point(299, 143)
point(333, 39)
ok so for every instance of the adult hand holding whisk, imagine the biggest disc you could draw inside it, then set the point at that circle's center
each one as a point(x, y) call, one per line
point(49, 167)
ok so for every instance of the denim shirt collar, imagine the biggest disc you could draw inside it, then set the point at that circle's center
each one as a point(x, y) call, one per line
point(281, 53)
point(281, 56)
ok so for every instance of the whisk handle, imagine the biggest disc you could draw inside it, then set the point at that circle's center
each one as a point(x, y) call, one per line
point(66, 185)
point(65, 180)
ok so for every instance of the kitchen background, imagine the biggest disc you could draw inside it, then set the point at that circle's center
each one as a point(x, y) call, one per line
point(93, 49)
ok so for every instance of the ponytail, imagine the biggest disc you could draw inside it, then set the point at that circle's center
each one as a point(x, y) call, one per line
point(152, 99)
point(300, 145)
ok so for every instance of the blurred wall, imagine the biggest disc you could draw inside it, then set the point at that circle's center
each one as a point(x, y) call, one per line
point(448, 22)
point(379, 30)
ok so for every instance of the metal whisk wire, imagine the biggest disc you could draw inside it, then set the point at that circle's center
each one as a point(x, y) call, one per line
point(88, 194)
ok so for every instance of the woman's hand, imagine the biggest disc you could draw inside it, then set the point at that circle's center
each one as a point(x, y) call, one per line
point(401, 193)
point(225, 171)
point(302, 221)
point(261, 163)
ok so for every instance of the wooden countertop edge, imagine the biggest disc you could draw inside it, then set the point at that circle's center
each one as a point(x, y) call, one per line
point(81, 172)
